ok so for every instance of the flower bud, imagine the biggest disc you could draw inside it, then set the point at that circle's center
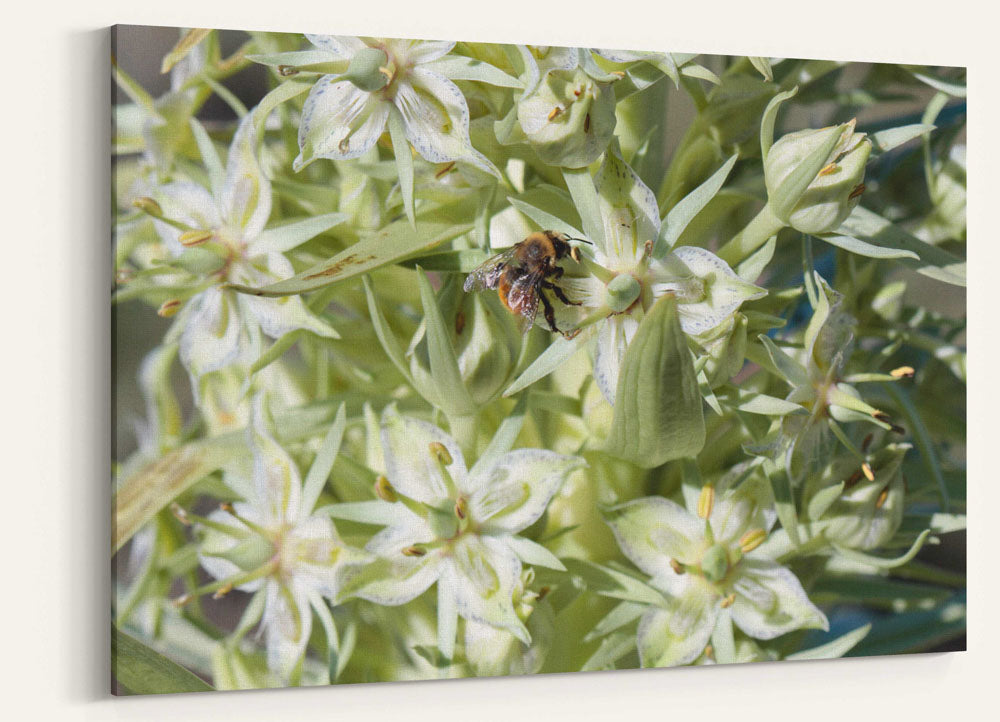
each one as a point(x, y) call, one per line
point(366, 69)
point(833, 193)
point(569, 118)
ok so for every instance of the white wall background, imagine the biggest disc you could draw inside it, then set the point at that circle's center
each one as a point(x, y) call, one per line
point(54, 418)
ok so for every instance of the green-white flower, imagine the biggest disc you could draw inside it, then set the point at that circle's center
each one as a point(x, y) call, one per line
point(708, 291)
point(706, 563)
point(226, 238)
point(345, 114)
point(273, 545)
point(458, 527)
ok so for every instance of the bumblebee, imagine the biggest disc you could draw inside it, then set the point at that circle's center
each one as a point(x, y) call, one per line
point(524, 272)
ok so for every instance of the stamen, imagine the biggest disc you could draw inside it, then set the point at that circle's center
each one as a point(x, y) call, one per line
point(554, 112)
point(440, 452)
point(459, 323)
point(832, 168)
point(182, 600)
point(462, 508)
point(867, 470)
point(543, 592)
point(586, 123)
point(677, 567)
point(903, 372)
point(883, 495)
point(168, 308)
point(414, 551)
point(226, 585)
point(180, 514)
point(728, 601)
point(227, 507)
point(858, 190)
point(866, 443)
point(619, 73)
point(222, 591)
point(752, 539)
point(384, 490)
point(195, 237)
point(287, 71)
point(149, 206)
point(706, 500)
point(444, 170)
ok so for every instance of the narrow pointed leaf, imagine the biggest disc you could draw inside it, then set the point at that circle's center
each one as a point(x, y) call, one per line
point(581, 188)
point(323, 463)
point(458, 67)
point(691, 205)
point(452, 393)
point(558, 352)
point(280, 239)
point(835, 649)
point(404, 160)
point(768, 119)
point(142, 670)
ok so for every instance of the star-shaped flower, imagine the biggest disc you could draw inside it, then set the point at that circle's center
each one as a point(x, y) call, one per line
point(226, 224)
point(459, 527)
point(705, 563)
point(272, 544)
point(343, 118)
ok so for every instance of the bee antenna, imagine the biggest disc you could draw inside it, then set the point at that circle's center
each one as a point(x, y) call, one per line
point(582, 240)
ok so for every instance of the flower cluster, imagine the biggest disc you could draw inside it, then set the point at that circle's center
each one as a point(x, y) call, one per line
point(558, 403)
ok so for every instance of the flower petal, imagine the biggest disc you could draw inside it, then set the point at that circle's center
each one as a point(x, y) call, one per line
point(343, 46)
point(678, 633)
point(189, 203)
point(214, 336)
point(321, 558)
point(629, 211)
point(287, 623)
point(401, 579)
point(482, 573)
point(654, 530)
point(513, 492)
point(436, 117)
point(245, 199)
point(410, 465)
point(613, 338)
point(770, 601)
point(217, 542)
point(416, 52)
point(339, 121)
point(708, 291)
point(749, 506)
point(275, 476)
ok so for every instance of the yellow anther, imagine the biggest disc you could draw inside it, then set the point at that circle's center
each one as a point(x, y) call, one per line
point(706, 501)
point(181, 600)
point(554, 112)
point(827, 170)
point(883, 495)
point(462, 508)
point(168, 308)
point(384, 490)
point(903, 372)
point(286, 71)
point(677, 566)
point(414, 551)
point(222, 591)
point(728, 601)
point(440, 452)
point(180, 514)
point(619, 73)
point(148, 205)
point(752, 539)
point(194, 238)
point(867, 470)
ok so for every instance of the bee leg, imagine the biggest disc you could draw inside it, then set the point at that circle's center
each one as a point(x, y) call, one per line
point(560, 294)
point(550, 313)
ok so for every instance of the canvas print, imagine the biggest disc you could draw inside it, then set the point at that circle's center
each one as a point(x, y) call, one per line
point(445, 359)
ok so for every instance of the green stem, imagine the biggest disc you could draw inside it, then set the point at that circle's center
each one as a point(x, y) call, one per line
point(764, 225)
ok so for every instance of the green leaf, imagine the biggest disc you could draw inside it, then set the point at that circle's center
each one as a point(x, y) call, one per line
point(822, 500)
point(915, 631)
point(584, 194)
point(622, 614)
point(763, 66)
point(462, 68)
point(700, 72)
point(885, 140)
point(784, 500)
point(921, 438)
point(404, 160)
point(323, 463)
point(505, 436)
point(155, 485)
point(279, 239)
point(452, 394)
point(283, 93)
point(185, 45)
point(209, 156)
point(142, 670)
point(384, 333)
point(546, 220)
point(461, 261)
point(658, 408)
point(557, 353)
point(791, 370)
point(931, 261)
point(367, 512)
point(753, 265)
point(882, 562)
point(611, 650)
point(863, 248)
point(756, 403)
point(835, 649)
point(530, 552)
point(609, 582)
point(277, 350)
point(396, 241)
point(691, 205)
point(768, 119)
point(295, 58)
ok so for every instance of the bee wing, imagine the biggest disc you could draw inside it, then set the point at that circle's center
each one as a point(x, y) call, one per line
point(487, 275)
point(523, 295)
